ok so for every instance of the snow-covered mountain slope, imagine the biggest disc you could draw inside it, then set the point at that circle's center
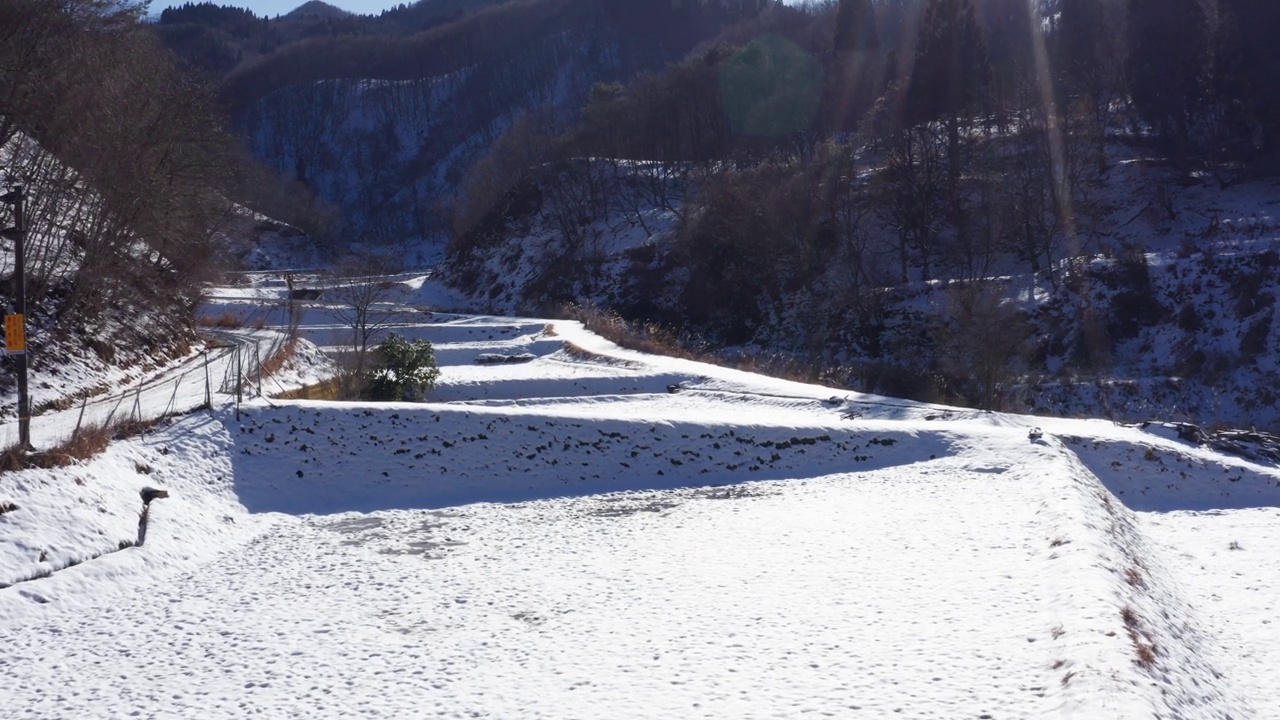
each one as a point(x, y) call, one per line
point(1163, 307)
point(389, 153)
point(596, 532)
point(384, 128)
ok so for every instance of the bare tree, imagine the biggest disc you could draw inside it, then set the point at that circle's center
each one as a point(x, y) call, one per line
point(981, 344)
point(857, 258)
point(913, 183)
point(122, 157)
point(362, 296)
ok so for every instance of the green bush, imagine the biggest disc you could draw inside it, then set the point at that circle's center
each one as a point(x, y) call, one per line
point(402, 370)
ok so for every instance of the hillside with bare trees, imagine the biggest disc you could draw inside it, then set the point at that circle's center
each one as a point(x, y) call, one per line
point(992, 202)
point(128, 174)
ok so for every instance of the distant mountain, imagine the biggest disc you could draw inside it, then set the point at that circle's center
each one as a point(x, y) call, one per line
point(382, 116)
point(315, 9)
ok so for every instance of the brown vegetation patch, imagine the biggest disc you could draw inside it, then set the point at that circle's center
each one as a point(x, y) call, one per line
point(325, 390)
point(87, 442)
point(69, 401)
point(581, 354)
point(644, 337)
point(225, 320)
point(11, 459)
point(1134, 577)
point(273, 364)
point(655, 339)
point(1144, 647)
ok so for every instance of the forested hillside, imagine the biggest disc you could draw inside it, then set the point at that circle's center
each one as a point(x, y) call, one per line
point(995, 202)
point(382, 115)
point(833, 184)
point(128, 175)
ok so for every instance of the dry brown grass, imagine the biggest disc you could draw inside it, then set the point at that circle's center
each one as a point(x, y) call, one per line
point(656, 339)
point(230, 319)
point(225, 320)
point(1144, 647)
point(1130, 618)
point(273, 364)
point(87, 442)
point(1146, 654)
point(69, 401)
point(11, 460)
point(647, 337)
point(327, 390)
point(1134, 578)
point(131, 428)
point(577, 352)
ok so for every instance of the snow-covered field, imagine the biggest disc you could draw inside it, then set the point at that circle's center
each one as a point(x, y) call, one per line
point(597, 533)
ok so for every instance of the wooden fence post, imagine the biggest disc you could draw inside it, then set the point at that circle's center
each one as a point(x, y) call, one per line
point(208, 390)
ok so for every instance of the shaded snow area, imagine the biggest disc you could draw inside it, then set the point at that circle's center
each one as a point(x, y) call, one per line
point(592, 532)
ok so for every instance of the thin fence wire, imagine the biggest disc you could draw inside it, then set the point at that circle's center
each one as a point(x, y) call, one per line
point(216, 377)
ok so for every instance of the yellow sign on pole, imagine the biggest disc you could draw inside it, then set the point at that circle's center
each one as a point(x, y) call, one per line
point(15, 334)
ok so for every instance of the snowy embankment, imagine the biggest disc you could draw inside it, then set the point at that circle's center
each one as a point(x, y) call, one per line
point(607, 534)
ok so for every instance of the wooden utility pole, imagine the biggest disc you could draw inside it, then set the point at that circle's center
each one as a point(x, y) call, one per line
point(15, 328)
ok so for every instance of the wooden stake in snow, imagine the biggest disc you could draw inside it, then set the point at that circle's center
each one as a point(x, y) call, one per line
point(208, 389)
point(173, 399)
point(84, 403)
point(148, 494)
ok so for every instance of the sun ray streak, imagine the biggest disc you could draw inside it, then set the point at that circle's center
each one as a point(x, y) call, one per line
point(1053, 127)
